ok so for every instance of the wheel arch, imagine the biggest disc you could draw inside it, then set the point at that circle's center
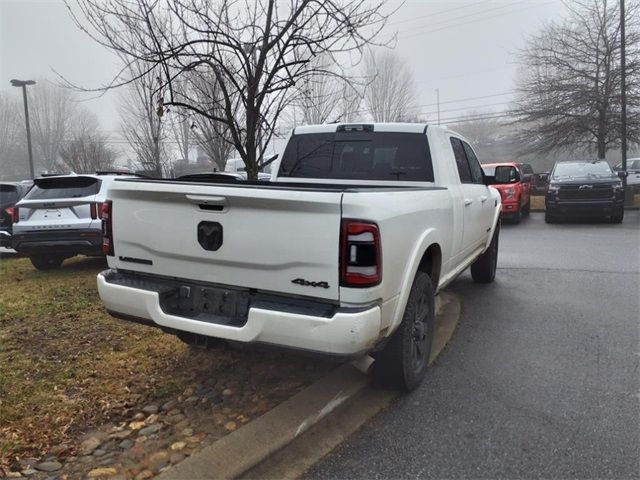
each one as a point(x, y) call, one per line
point(431, 263)
point(427, 256)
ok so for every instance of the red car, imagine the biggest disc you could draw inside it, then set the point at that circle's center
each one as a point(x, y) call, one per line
point(516, 194)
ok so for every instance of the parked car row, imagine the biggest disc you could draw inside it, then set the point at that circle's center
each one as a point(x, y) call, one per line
point(59, 216)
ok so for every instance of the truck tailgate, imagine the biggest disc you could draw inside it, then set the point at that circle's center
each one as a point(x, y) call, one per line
point(273, 240)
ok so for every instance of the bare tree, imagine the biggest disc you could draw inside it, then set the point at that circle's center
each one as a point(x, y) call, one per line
point(480, 131)
point(51, 112)
point(256, 50)
point(323, 93)
point(213, 136)
point(13, 141)
point(143, 125)
point(350, 101)
point(182, 135)
point(214, 141)
point(570, 80)
point(390, 94)
point(86, 149)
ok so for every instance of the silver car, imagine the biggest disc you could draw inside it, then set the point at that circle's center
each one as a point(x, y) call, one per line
point(60, 217)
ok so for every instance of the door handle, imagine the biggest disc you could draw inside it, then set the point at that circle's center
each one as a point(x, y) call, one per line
point(467, 202)
point(483, 199)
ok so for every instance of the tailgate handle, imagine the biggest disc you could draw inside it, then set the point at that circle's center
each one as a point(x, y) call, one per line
point(216, 204)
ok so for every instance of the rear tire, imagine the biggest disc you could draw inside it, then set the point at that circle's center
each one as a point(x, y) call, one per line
point(483, 270)
point(403, 361)
point(46, 262)
point(618, 216)
point(518, 217)
point(548, 218)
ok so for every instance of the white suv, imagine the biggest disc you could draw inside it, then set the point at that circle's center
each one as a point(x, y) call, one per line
point(633, 169)
point(60, 218)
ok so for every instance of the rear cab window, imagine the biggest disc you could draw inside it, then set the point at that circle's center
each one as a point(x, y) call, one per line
point(63, 187)
point(358, 156)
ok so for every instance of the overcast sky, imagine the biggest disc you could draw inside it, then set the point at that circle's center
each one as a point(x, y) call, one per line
point(463, 48)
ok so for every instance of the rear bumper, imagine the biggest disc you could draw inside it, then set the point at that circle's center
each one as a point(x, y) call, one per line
point(344, 332)
point(85, 241)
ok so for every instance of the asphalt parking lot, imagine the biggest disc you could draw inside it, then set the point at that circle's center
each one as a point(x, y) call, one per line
point(542, 377)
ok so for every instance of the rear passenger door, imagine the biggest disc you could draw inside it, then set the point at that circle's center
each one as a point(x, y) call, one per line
point(476, 197)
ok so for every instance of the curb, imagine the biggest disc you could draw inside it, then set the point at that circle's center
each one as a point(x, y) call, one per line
point(237, 452)
point(240, 451)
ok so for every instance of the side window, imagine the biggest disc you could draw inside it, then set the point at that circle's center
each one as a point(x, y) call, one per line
point(474, 164)
point(461, 161)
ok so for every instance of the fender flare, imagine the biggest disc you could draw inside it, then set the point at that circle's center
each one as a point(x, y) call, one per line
point(426, 240)
point(496, 222)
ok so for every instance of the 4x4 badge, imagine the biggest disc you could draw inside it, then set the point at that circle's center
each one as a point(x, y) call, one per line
point(306, 283)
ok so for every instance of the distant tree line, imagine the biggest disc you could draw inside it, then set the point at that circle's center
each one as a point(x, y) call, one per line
point(570, 81)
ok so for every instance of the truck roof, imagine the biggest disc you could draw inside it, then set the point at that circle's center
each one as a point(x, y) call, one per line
point(371, 126)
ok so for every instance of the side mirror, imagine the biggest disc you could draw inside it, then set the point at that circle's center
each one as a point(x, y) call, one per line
point(505, 174)
point(622, 174)
point(527, 177)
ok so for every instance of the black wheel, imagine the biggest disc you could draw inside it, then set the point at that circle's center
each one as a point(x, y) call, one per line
point(618, 216)
point(46, 262)
point(549, 218)
point(517, 217)
point(483, 270)
point(403, 361)
point(526, 210)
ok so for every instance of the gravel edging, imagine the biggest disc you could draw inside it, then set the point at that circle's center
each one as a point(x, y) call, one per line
point(237, 452)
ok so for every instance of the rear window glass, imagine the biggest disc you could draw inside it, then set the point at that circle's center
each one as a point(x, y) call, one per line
point(358, 156)
point(8, 194)
point(65, 187)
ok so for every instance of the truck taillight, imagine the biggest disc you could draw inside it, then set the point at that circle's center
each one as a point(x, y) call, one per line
point(95, 209)
point(107, 227)
point(13, 213)
point(360, 254)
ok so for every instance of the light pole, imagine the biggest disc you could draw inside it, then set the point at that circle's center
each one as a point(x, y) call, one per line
point(23, 84)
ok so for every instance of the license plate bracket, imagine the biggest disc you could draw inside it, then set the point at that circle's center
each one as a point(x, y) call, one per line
point(208, 304)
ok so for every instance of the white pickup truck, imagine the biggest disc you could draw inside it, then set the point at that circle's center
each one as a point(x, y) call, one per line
point(341, 253)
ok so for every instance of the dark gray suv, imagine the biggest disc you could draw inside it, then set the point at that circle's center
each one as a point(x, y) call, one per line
point(10, 194)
